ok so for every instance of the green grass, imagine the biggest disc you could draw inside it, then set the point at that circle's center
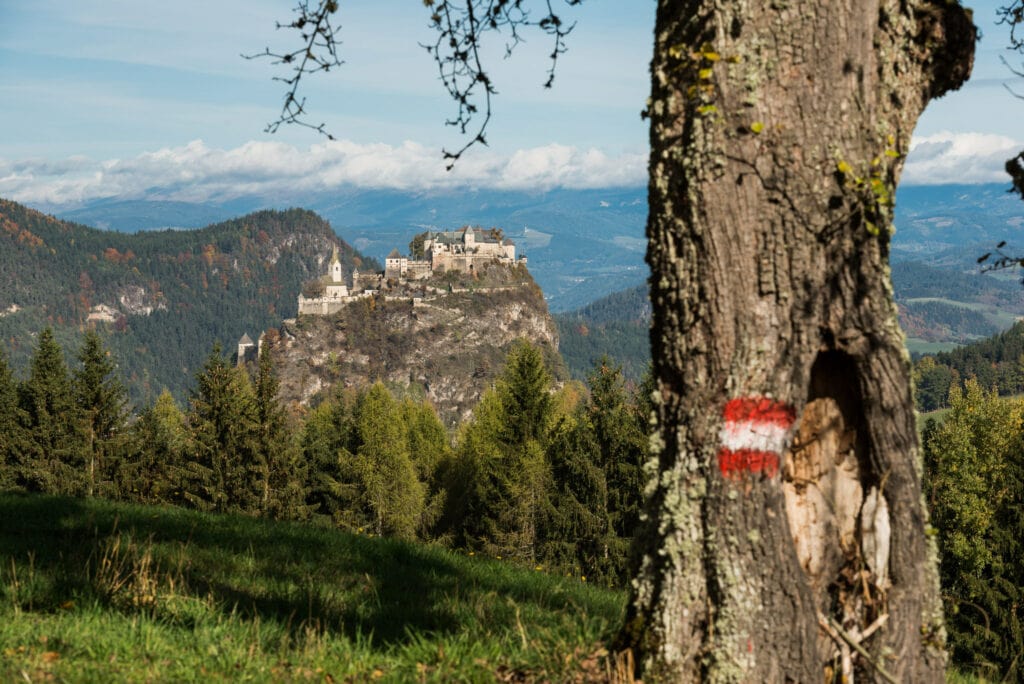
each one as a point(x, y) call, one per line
point(98, 591)
point(918, 346)
point(938, 414)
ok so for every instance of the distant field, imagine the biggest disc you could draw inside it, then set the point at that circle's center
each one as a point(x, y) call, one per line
point(919, 346)
point(937, 415)
point(93, 591)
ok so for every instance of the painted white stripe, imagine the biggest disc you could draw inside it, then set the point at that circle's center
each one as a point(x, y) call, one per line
point(755, 436)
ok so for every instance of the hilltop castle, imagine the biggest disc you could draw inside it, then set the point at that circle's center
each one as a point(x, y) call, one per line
point(465, 250)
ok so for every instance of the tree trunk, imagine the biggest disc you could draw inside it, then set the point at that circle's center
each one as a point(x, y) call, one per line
point(787, 501)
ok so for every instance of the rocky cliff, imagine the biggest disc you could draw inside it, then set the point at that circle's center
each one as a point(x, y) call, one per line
point(447, 339)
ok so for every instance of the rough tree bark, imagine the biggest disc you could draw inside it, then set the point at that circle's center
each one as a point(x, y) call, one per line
point(788, 485)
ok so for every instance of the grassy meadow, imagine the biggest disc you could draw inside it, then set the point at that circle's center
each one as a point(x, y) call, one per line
point(98, 591)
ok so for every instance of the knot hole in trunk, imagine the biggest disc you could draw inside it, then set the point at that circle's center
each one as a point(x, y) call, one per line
point(838, 519)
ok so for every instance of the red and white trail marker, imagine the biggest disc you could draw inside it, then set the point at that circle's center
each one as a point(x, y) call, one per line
point(753, 436)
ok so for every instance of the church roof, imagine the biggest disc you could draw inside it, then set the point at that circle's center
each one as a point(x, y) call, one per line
point(394, 254)
point(245, 339)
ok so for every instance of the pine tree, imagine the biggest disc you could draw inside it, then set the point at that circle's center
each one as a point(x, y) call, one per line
point(53, 458)
point(101, 400)
point(222, 473)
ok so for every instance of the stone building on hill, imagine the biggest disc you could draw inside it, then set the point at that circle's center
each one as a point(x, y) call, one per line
point(466, 250)
point(247, 349)
point(330, 291)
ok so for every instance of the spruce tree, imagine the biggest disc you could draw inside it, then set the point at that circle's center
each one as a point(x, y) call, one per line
point(52, 461)
point(577, 534)
point(974, 482)
point(222, 473)
point(327, 436)
point(12, 431)
point(503, 453)
point(281, 470)
point(621, 445)
point(153, 471)
point(101, 399)
point(431, 453)
point(524, 388)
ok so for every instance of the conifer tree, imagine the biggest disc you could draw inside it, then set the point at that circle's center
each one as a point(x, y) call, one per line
point(326, 439)
point(12, 432)
point(101, 400)
point(222, 472)
point(53, 458)
point(503, 453)
point(430, 452)
point(577, 534)
point(524, 388)
point(392, 494)
point(281, 470)
point(621, 445)
point(154, 470)
point(974, 481)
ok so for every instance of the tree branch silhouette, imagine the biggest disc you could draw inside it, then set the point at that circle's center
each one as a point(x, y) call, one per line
point(461, 26)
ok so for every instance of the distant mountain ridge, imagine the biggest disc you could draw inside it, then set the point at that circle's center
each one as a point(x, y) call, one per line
point(581, 243)
point(163, 298)
point(584, 243)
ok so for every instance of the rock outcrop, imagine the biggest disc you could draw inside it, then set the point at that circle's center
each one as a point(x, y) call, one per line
point(446, 339)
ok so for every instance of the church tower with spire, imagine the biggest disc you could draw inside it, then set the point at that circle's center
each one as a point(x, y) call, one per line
point(335, 267)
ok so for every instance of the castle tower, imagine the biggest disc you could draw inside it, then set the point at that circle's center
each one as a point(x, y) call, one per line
point(245, 348)
point(335, 268)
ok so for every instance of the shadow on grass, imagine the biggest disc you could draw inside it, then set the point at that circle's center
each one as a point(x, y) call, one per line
point(299, 576)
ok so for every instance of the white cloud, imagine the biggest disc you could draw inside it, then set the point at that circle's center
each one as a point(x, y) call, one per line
point(949, 157)
point(196, 172)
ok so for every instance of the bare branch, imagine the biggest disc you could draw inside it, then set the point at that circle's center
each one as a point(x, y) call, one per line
point(319, 52)
point(1013, 15)
point(460, 26)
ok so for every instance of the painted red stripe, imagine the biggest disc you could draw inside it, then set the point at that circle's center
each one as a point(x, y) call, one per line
point(733, 463)
point(759, 409)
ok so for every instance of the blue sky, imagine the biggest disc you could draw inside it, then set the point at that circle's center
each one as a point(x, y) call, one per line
point(125, 97)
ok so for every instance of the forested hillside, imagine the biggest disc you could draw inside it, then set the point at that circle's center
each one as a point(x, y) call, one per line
point(996, 364)
point(615, 326)
point(160, 299)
